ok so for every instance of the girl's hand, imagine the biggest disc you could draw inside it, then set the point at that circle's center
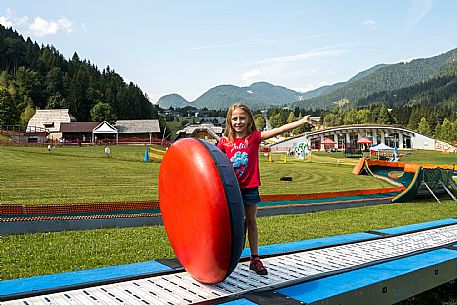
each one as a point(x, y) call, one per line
point(307, 120)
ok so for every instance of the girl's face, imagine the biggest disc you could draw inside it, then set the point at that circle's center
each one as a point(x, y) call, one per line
point(240, 122)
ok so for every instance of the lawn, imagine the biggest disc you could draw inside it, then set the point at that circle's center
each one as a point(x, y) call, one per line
point(32, 175)
point(46, 253)
point(410, 156)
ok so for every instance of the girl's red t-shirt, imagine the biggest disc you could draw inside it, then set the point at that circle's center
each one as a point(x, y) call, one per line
point(243, 154)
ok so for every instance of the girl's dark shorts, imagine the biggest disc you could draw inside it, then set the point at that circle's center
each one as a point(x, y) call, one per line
point(250, 195)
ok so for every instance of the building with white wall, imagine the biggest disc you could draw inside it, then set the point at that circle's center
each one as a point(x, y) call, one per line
point(50, 120)
point(347, 136)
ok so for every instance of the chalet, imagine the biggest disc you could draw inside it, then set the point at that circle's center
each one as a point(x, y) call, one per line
point(50, 119)
point(137, 130)
point(78, 131)
point(207, 132)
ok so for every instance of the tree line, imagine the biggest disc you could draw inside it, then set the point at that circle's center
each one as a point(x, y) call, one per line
point(438, 122)
point(39, 77)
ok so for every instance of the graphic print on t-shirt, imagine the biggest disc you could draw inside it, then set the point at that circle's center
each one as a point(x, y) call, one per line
point(240, 162)
point(243, 154)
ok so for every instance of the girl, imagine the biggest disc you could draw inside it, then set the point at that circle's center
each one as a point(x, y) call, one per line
point(241, 143)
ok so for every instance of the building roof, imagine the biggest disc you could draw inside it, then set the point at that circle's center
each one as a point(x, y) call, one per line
point(50, 119)
point(137, 126)
point(78, 126)
point(192, 128)
point(105, 127)
point(213, 120)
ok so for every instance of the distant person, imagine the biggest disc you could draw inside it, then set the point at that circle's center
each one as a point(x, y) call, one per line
point(241, 143)
point(49, 147)
point(107, 151)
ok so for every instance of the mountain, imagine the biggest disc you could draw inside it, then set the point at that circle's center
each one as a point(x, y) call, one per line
point(173, 100)
point(381, 78)
point(360, 89)
point(259, 95)
point(321, 91)
point(437, 92)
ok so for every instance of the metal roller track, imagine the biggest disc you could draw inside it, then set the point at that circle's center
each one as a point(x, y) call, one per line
point(181, 288)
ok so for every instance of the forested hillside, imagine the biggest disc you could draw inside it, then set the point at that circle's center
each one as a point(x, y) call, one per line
point(382, 78)
point(33, 76)
point(440, 91)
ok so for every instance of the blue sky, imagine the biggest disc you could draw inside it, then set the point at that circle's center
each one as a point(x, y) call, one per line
point(188, 47)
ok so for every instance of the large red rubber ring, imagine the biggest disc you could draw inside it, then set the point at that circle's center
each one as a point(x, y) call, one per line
point(202, 209)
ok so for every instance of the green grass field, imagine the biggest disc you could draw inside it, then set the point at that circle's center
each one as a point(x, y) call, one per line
point(414, 156)
point(46, 253)
point(32, 175)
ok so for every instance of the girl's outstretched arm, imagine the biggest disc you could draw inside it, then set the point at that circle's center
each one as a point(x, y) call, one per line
point(286, 127)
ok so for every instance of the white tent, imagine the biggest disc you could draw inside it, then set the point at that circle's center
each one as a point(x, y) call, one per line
point(104, 128)
point(383, 151)
point(382, 147)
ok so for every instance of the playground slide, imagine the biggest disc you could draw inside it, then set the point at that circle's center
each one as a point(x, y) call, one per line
point(411, 190)
point(418, 180)
point(359, 166)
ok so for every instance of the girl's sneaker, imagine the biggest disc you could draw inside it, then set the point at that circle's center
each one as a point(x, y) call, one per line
point(257, 266)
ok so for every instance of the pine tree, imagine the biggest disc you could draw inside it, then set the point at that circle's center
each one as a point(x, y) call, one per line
point(27, 114)
point(424, 127)
point(9, 114)
point(437, 133)
point(278, 119)
point(414, 119)
point(259, 122)
point(446, 130)
point(384, 117)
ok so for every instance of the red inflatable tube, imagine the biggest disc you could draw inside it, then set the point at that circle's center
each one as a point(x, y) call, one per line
point(202, 209)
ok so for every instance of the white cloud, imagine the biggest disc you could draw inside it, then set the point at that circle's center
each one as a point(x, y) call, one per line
point(9, 20)
point(250, 75)
point(419, 10)
point(371, 24)
point(5, 22)
point(407, 60)
point(306, 88)
point(41, 27)
point(310, 87)
point(65, 23)
point(323, 52)
point(243, 44)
